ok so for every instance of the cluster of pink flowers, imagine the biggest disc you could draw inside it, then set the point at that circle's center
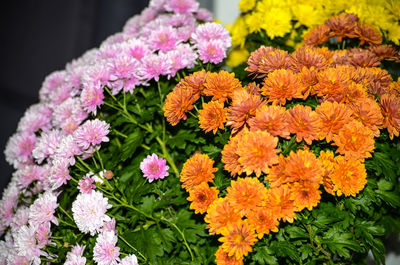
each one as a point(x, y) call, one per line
point(168, 36)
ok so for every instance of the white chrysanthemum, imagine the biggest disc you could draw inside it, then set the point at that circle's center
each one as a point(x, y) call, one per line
point(89, 212)
point(105, 252)
point(130, 260)
point(42, 210)
point(26, 245)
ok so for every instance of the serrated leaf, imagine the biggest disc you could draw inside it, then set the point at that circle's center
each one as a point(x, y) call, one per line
point(296, 232)
point(167, 238)
point(211, 150)
point(131, 143)
point(378, 251)
point(385, 185)
point(285, 249)
point(341, 243)
point(263, 256)
point(391, 198)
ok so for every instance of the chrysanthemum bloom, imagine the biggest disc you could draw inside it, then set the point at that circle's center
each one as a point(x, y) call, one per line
point(89, 212)
point(305, 195)
point(230, 158)
point(272, 119)
point(221, 85)
point(327, 159)
point(240, 113)
point(212, 51)
point(19, 149)
point(384, 52)
point(253, 88)
point(202, 196)
point(332, 81)
point(197, 169)
point(363, 58)
point(26, 245)
point(43, 208)
point(333, 117)
point(183, 56)
point(307, 57)
point(355, 141)
point(195, 81)
point(256, 58)
point(74, 257)
point(178, 102)
point(28, 175)
point(369, 114)
point(245, 194)
point(390, 106)
point(349, 176)
point(86, 185)
point(46, 145)
point(212, 117)
point(92, 98)
point(222, 258)
point(342, 26)
point(125, 74)
point(36, 117)
point(20, 218)
point(129, 260)
point(317, 35)
point(280, 203)
point(272, 61)
point(59, 173)
point(154, 168)
point(304, 122)
point(155, 65)
point(257, 152)
point(219, 215)
point(376, 80)
point(164, 38)
point(277, 21)
point(211, 31)
point(237, 239)
point(281, 85)
point(67, 149)
point(137, 48)
point(182, 6)
point(303, 166)
point(92, 133)
point(263, 220)
point(367, 33)
point(105, 252)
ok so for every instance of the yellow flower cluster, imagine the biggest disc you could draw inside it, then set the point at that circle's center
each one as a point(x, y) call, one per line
point(276, 18)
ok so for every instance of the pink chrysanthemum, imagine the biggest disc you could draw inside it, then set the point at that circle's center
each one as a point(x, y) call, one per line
point(155, 65)
point(137, 49)
point(154, 168)
point(70, 111)
point(74, 257)
point(28, 174)
point(43, 234)
point(211, 31)
point(204, 14)
point(46, 145)
point(181, 20)
point(105, 252)
point(109, 226)
point(183, 56)
point(19, 149)
point(26, 245)
point(67, 149)
point(8, 203)
point(36, 117)
point(43, 208)
point(164, 39)
point(51, 83)
point(91, 133)
point(125, 70)
point(86, 185)
point(212, 51)
point(89, 212)
point(130, 260)
point(92, 98)
point(182, 6)
point(20, 218)
point(59, 173)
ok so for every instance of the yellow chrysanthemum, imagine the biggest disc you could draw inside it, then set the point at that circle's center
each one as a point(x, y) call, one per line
point(237, 56)
point(238, 31)
point(247, 5)
point(277, 22)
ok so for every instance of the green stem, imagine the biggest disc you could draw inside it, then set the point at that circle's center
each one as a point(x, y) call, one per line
point(167, 156)
point(66, 223)
point(132, 247)
point(183, 236)
point(112, 106)
point(84, 164)
point(120, 133)
point(100, 159)
point(159, 92)
point(65, 212)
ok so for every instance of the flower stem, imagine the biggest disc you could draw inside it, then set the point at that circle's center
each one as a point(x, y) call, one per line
point(132, 247)
point(167, 156)
point(183, 236)
point(65, 212)
point(101, 160)
point(84, 164)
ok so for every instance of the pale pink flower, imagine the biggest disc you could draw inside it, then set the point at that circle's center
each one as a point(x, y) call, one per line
point(74, 257)
point(69, 115)
point(155, 65)
point(89, 212)
point(182, 6)
point(28, 174)
point(124, 69)
point(9, 202)
point(92, 98)
point(68, 149)
point(20, 218)
point(51, 83)
point(148, 14)
point(212, 51)
point(204, 14)
point(18, 151)
point(211, 31)
point(91, 133)
point(46, 145)
point(132, 26)
point(43, 208)
point(136, 48)
point(59, 173)
point(36, 117)
point(154, 168)
point(43, 234)
point(183, 56)
point(164, 39)
point(130, 260)
point(109, 226)
point(86, 185)
point(26, 245)
point(77, 250)
point(181, 20)
point(105, 252)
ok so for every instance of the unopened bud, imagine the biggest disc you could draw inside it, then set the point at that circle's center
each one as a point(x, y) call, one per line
point(109, 174)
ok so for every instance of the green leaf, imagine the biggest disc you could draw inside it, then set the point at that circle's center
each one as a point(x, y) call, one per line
point(263, 256)
point(391, 198)
point(341, 243)
point(385, 185)
point(133, 141)
point(285, 249)
point(378, 250)
point(167, 238)
point(211, 150)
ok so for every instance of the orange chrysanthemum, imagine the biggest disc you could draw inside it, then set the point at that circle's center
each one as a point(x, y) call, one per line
point(246, 194)
point(376, 80)
point(280, 204)
point(384, 52)
point(263, 221)
point(237, 239)
point(349, 176)
point(196, 81)
point(308, 78)
point(282, 85)
point(212, 117)
point(221, 85)
point(342, 26)
point(390, 106)
point(363, 58)
point(265, 60)
point(304, 122)
point(272, 119)
point(369, 114)
point(327, 159)
point(355, 140)
point(230, 158)
point(202, 196)
point(257, 152)
point(308, 57)
point(255, 59)
point(367, 33)
point(239, 114)
point(277, 175)
point(332, 81)
point(178, 102)
point(317, 35)
point(305, 195)
point(222, 258)
point(219, 215)
point(303, 166)
point(197, 169)
point(253, 88)
point(333, 117)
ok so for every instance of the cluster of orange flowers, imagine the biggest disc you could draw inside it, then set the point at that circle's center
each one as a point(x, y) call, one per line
point(356, 99)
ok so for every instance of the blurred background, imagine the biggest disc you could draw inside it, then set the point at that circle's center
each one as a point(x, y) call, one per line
point(41, 36)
